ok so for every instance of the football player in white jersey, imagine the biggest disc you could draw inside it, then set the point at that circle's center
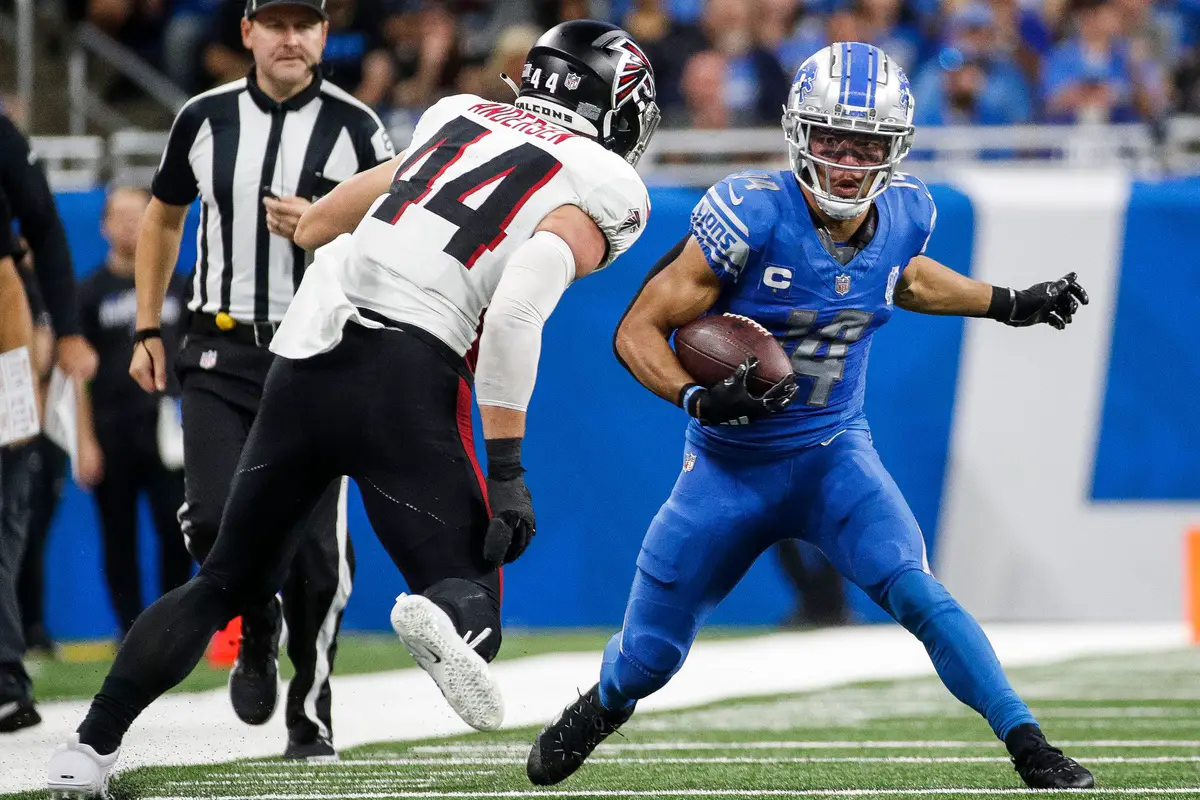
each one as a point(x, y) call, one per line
point(492, 206)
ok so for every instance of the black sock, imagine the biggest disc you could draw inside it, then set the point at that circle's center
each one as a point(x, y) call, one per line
point(162, 648)
point(113, 711)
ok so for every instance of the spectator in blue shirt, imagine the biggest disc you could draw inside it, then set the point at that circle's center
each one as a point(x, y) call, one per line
point(973, 80)
point(756, 86)
point(880, 23)
point(1024, 35)
point(777, 23)
point(957, 89)
point(1095, 76)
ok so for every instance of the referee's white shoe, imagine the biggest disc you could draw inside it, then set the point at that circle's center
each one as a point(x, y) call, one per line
point(451, 660)
point(77, 772)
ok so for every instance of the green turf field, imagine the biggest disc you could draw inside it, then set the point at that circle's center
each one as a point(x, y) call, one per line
point(1134, 720)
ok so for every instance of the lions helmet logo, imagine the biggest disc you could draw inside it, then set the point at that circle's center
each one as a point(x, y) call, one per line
point(805, 77)
point(634, 77)
point(905, 92)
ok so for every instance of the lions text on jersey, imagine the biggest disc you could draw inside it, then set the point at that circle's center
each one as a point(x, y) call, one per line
point(476, 181)
point(758, 236)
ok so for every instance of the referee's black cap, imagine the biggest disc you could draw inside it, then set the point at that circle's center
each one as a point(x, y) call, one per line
point(255, 6)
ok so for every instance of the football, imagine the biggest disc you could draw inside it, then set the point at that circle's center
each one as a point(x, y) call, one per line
point(711, 348)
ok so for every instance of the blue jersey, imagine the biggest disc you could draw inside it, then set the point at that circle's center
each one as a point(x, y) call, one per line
point(758, 236)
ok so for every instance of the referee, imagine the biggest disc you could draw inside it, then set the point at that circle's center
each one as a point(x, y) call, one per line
point(257, 152)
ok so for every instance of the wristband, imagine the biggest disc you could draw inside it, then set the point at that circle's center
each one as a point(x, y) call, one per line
point(681, 398)
point(147, 333)
point(504, 458)
point(690, 398)
point(1001, 307)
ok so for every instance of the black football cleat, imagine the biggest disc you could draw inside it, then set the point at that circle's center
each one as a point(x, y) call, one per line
point(1042, 766)
point(17, 710)
point(316, 749)
point(17, 714)
point(565, 743)
point(254, 679)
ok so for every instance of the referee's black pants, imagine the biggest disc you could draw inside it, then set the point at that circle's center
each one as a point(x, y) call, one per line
point(222, 381)
point(392, 410)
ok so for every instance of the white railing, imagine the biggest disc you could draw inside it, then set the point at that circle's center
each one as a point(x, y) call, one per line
point(86, 105)
point(73, 163)
point(700, 158)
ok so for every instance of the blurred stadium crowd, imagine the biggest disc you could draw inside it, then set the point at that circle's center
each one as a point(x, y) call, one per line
point(725, 63)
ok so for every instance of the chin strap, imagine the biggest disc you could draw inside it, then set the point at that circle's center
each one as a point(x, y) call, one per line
point(511, 83)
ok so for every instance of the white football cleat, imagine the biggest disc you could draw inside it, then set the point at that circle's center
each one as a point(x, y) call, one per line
point(77, 772)
point(460, 672)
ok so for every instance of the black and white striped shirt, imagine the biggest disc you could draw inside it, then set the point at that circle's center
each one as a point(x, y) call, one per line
point(232, 146)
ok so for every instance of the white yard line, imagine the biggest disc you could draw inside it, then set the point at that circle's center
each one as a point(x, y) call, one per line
point(788, 745)
point(333, 772)
point(932, 792)
point(405, 705)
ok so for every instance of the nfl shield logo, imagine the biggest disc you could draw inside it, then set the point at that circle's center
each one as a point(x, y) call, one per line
point(572, 81)
point(208, 359)
point(841, 284)
point(689, 462)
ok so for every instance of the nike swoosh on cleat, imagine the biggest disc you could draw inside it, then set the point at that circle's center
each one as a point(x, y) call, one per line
point(429, 654)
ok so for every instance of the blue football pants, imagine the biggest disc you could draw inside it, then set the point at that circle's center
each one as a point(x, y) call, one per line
point(728, 508)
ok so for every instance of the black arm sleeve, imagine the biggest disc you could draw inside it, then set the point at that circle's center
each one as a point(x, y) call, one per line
point(32, 204)
point(175, 182)
point(658, 267)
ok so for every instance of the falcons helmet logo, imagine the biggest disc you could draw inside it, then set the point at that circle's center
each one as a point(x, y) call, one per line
point(634, 78)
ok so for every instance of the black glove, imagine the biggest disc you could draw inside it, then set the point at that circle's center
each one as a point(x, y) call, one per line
point(730, 402)
point(1052, 302)
point(512, 524)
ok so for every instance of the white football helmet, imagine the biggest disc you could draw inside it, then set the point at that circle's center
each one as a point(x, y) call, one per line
point(845, 89)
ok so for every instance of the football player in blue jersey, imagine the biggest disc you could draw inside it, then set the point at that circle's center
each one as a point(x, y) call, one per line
point(818, 255)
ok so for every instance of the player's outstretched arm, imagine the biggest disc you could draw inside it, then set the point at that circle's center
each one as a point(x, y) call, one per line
point(932, 288)
point(341, 210)
point(678, 293)
point(567, 245)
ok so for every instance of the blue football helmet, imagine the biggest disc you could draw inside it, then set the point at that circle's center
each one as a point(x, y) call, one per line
point(848, 94)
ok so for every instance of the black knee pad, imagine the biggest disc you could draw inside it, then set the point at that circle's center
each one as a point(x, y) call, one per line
point(473, 607)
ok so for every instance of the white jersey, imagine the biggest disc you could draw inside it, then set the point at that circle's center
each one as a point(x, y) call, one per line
point(476, 181)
